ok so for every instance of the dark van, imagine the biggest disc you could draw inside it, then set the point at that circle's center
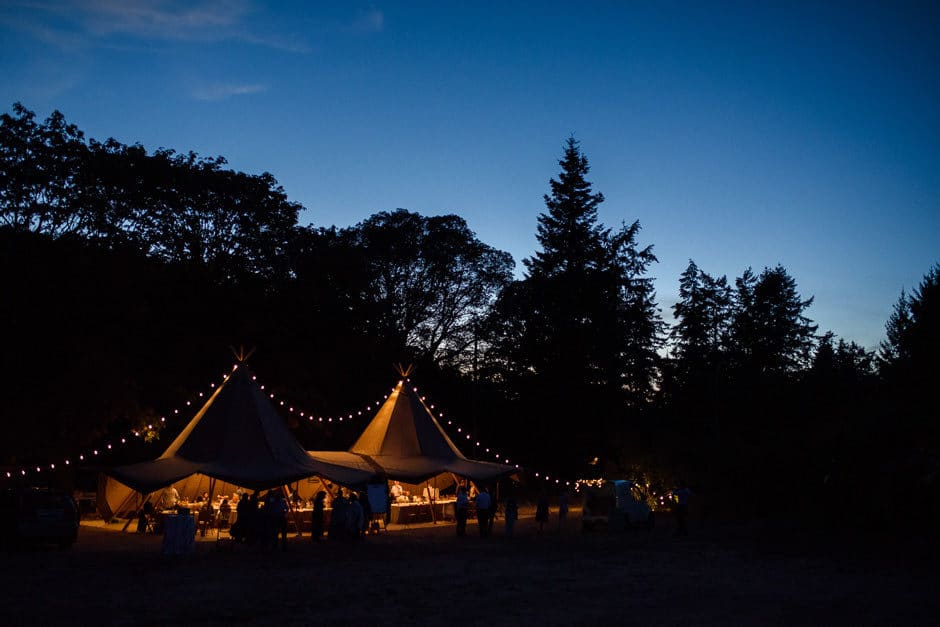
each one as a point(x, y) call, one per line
point(37, 516)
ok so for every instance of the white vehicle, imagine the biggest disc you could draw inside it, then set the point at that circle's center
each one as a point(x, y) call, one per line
point(615, 506)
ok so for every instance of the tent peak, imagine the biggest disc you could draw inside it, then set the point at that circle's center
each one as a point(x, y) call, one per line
point(404, 371)
point(241, 354)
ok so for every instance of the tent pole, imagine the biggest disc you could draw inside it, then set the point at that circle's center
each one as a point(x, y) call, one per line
point(133, 495)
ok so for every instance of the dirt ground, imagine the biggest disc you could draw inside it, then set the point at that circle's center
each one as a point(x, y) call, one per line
point(722, 574)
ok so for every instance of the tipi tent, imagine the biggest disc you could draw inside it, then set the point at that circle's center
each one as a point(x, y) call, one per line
point(237, 437)
point(405, 442)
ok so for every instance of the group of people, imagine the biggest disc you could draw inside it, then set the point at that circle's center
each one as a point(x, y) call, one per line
point(264, 524)
point(486, 510)
point(348, 520)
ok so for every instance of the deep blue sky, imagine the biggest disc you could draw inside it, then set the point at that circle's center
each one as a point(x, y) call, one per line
point(738, 134)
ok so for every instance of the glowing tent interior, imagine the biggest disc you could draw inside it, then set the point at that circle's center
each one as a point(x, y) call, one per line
point(238, 438)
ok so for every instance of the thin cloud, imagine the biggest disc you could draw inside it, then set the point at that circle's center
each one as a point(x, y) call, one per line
point(92, 22)
point(223, 91)
point(371, 21)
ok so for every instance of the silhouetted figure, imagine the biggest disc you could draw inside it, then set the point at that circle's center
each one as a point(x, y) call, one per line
point(494, 509)
point(354, 518)
point(682, 494)
point(142, 522)
point(511, 514)
point(247, 509)
point(562, 509)
point(265, 526)
point(338, 517)
point(461, 510)
point(225, 512)
point(316, 519)
point(366, 511)
point(483, 512)
point(541, 512)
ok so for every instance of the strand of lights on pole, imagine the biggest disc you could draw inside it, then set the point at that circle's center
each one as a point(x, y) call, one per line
point(81, 457)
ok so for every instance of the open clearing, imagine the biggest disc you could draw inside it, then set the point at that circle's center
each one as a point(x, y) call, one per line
point(724, 574)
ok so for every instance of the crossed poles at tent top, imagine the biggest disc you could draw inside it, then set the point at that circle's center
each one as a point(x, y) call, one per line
point(81, 457)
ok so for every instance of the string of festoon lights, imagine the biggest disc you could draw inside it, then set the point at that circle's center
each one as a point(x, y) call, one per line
point(312, 417)
point(93, 453)
point(542, 476)
point(549, 478)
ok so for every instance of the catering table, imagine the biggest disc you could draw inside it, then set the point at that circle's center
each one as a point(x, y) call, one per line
point(179, 534)
point(407, 513)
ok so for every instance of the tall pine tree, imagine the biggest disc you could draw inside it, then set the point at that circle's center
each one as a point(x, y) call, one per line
point(578, 335)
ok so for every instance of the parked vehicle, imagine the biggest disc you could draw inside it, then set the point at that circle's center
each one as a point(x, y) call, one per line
point(613, 505)
point(36, 516)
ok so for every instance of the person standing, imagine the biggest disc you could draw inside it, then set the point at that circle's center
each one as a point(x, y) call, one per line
point(338, 517)
point(316, 518)
point(461, 509)
point(511, 512)
point(354, 518)
point(541, 512)
point(562, 509)
point(483, 512)
point(682, 494)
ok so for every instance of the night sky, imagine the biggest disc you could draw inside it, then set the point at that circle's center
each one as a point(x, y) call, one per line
point(738, 134)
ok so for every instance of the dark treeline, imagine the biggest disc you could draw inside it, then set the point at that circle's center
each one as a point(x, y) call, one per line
point(127, 274)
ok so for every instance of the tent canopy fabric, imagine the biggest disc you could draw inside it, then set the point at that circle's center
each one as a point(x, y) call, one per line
point(405, 442)
point(237, 437)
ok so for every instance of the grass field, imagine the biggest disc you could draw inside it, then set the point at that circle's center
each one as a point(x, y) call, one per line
point(723, 574)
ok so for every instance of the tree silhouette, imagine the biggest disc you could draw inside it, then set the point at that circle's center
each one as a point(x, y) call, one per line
point(770, 335)
point(578, 335)
point(431, 279)
point(703, 315)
